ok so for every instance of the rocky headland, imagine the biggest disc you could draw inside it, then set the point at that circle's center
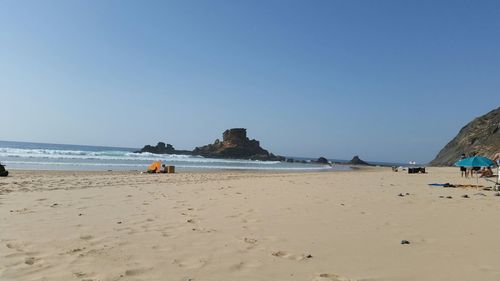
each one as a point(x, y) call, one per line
point(235, 144)
point(480, 137)
point(357, 161)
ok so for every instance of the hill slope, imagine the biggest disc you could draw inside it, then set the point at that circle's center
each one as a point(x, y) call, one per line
point(481, 137)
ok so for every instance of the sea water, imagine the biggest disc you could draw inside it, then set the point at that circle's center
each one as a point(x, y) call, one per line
point(44, 156)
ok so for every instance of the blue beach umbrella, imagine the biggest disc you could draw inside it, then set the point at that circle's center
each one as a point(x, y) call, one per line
point(475, 161)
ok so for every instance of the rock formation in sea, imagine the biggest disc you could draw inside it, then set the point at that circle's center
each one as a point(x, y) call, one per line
point(357, 161)
point(322, 160)
point(162, 148)
point(480, 137)
point(235, 144)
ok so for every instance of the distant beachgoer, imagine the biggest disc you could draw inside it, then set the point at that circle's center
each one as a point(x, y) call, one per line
point(497, 159)
point(163, 169)
point(474, 170)
point(3, 172)
point(463, 170)
point(486, 172)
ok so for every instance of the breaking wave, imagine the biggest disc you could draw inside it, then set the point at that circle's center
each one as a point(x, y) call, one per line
point(115, 155)
point(18, 155)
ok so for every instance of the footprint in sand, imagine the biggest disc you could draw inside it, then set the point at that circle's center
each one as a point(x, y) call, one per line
point(86, 237)
point(194, 263)
point(330, 277)
point(136, 271)
point(18, 246)
point(79, 274)
point(250, 240)
point(244, 265)
point(30, 260)
point(282, 254)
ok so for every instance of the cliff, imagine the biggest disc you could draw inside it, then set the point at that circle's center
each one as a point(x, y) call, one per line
point(480, 137)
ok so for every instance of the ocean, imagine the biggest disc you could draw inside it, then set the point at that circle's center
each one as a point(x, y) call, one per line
point(45, 156)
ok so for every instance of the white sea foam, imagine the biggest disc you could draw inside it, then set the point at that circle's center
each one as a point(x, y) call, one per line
point(39, 156)
point(116, 155)
point(189, 166)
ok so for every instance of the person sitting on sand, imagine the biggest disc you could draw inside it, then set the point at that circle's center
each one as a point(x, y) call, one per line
point(3, 172)
point(486, 172)
point(163, 169)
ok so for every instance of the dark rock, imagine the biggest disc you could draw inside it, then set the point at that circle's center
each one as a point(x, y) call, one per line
point(405, 242)
point(357, 161)
point(235, 144)
point(322, 160)
point(162, 148)
point(465, 196)
point(480, 137)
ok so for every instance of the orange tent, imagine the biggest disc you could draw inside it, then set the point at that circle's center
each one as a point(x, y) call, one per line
point(156, 166)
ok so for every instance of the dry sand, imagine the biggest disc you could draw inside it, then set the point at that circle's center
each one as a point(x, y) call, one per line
point(246, 226)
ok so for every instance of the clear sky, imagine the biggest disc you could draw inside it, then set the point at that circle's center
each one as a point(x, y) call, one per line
point(388, 80)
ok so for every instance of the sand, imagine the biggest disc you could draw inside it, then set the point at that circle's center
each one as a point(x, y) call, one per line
point(247, 226)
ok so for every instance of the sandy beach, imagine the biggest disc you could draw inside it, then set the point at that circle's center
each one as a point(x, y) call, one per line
point(247, 226)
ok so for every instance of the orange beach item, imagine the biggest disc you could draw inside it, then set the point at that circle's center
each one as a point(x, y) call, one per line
point(156, 166)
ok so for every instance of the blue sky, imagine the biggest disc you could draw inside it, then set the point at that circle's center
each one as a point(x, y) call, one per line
point(388, 80)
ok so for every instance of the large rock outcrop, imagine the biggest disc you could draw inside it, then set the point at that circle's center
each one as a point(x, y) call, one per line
point(235, 144)
point(357, 161)
point(162, 148)
point(322, 160)
point(480, 137)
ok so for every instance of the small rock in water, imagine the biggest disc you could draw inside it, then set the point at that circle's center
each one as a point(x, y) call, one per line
point(309, 256)
point(404, 242)
point(497, 194)
point(401, 195)
point(449, 197)
point(407, 193)
point(465, 196)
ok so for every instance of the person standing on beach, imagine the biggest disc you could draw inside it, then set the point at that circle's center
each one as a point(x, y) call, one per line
point(463, 170)
point(497, 159)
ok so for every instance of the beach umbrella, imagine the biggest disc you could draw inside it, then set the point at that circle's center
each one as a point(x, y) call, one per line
point(475, 161)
